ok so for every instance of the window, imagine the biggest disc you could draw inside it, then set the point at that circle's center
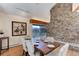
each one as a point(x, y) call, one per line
point(38, 31)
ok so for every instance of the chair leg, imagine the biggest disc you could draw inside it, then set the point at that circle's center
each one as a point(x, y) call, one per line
point(23, 53)
point(27, 54)
point(41, 54)
point(37, 50)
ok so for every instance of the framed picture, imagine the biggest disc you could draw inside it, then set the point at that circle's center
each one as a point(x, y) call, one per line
point(19, 28)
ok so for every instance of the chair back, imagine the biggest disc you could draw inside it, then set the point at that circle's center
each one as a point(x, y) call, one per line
point(30, 47)
point(63, 50)
point(49, 39)
point(24, 44)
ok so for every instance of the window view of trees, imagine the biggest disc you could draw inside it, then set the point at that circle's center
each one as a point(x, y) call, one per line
point(39, 31)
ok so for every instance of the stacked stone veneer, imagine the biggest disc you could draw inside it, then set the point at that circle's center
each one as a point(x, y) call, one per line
point(64, 24)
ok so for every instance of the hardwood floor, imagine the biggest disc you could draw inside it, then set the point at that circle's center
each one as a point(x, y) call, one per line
point(72, 52)
point(14, 51)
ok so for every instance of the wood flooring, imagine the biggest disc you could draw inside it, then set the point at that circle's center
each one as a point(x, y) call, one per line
point(14, 51)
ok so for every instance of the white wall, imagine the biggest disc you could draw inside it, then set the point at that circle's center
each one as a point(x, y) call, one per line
point(6, 26)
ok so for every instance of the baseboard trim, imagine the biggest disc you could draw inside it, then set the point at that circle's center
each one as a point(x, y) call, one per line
point(11, 46)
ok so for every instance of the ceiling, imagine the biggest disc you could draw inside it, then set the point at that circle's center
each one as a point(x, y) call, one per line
point(36, 10)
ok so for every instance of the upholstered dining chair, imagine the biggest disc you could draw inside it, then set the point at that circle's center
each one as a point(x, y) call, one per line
point(28, 46)
point(63, 50)
point(49, 39)
point(24, 46)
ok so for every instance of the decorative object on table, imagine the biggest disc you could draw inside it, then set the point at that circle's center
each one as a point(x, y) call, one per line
point(1, 33)
point(19, 28)
point(51, 45)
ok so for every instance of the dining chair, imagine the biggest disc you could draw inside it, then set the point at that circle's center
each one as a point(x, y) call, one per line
point(63, 50)
point(24, 46)
point(49, 39)
point(28, 46)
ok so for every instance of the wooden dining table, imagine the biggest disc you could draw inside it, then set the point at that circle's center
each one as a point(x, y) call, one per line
point(43, 47)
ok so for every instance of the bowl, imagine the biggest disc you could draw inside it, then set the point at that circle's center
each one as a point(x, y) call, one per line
point(51, 45)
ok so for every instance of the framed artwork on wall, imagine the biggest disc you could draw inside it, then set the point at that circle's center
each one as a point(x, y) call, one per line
point(19, 28)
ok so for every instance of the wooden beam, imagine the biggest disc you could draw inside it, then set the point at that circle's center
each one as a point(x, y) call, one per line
point(33, 21)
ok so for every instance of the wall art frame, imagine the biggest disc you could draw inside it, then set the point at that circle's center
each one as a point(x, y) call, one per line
point(19, 28)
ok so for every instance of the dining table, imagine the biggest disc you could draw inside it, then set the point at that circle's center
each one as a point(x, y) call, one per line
point(45, 47)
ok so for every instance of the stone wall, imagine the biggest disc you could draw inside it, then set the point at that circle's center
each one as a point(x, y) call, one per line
point(64, 24)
